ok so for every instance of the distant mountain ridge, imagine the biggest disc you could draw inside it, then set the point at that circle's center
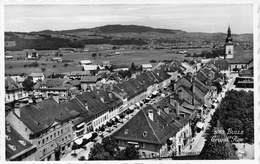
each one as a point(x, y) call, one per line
point(113, 29)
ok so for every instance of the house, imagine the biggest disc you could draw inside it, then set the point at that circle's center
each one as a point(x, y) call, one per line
point(85, 62)
point(57, 86)
point(95, 106)
point(222, 66)
point(32, 56)
point(45, 124)
point(79, 74)
point(90, 67)
point(14, 90)
point(148, 131)
point(147, 66)
point(120, 67)
point(57, 59)
point(37, 76)
point(17, 148)
point(8, 57)
point(88, 83)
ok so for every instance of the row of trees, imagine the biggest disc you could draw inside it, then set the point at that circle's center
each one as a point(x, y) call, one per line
point(235, 116)
point(109, 150)
point(53, 43)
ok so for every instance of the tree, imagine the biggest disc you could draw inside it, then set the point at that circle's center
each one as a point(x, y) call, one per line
point(110, 146)
point(99, 54)
point(28, 84)
point(10, 67)
point(94, 55)
point(102, 129)
point(114, 47)
point(43, 69)
point(25, 66)
point(122, 116)
point(133, 68)
point(109, 124)
point(74, 147)
point(131, 152)
point(97, 152)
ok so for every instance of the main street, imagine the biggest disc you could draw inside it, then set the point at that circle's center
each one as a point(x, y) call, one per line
point(199, 140)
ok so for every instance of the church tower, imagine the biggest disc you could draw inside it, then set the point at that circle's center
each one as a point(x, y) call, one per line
point(229, 45)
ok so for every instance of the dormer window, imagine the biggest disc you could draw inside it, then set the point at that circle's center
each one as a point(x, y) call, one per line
point(12, 147)
point(145, 134)
point(8, 137)
point(126, 131)
point(22, 142)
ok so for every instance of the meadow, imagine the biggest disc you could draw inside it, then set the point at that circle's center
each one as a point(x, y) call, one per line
point(138, 57)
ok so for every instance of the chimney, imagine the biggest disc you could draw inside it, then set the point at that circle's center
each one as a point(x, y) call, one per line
point(180, 94)
point(110, 95)
point(150, 114)
point(30, 100)
point(86, 105)
point(166, 109)
point(102, 99)
point(17, 109)
point(56, 98)
point(158, 111)
point(172, 101)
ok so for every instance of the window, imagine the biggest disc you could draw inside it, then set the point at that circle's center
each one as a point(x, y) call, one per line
point(126, 131)
point(61, 131)
point(43, 141)
point(69, 145)
point(25, 130)
point(145, 134)
point(39, 143)
point(47, 138)
point(51, 137)
point(54, 135)
point(143, 145)
point(58, 133)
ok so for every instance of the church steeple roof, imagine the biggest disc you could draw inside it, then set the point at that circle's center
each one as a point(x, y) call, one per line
point(229, 38)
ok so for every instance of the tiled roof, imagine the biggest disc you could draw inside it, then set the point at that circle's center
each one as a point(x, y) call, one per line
point(18, 79)
point(118, 66)
point(95, 105)
point(221, 63)
point(241, 57)
point(10, 84)
point(157, 131)
point(13, 138)
point(36, 74)
point(202, 77)
point(74, 82)
point(89, 79)
point(80, 73)
point(193, 94)
point(112, 101)
point(201, 86)
point(41, 115)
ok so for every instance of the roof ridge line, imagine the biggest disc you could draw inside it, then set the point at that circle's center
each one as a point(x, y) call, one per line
point(151, 127)
point(83, 105)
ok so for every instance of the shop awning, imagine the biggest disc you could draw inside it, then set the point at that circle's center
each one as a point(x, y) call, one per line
point(135, 143)
point(78, 141)
point(155, 92)
point(132, 107)
point(200, 125)
point(113, 118)
point(118, 117)
point(138, 104)
point(83, 123)
point(87, 136)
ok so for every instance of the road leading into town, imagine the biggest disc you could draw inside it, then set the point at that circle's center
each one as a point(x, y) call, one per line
point(199, 140)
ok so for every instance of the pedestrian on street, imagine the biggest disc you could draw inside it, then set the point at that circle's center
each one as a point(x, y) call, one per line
point(190, 146)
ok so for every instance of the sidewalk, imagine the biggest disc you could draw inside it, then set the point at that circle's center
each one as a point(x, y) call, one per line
point(199, 140)
point(83, 152)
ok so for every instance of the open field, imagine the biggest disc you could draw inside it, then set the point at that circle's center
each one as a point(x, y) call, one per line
point(137, 56)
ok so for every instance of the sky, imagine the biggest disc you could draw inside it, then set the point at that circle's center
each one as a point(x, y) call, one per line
point(191, 18)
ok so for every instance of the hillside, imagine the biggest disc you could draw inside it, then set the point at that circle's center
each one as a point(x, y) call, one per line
point(117, 35)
